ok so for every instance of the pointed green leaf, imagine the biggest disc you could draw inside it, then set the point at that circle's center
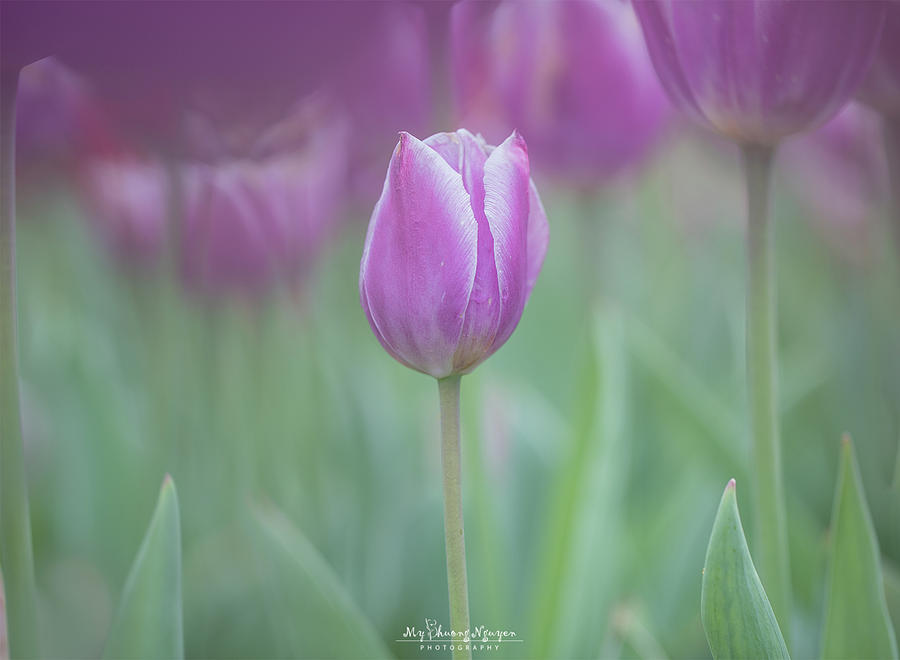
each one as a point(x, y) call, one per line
point(148, 623)
point(856, 618)
point(312, 613)
point(737, 617)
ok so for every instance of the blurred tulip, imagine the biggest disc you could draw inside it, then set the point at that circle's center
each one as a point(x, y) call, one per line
point(759, 70)
point(52, 108)
point(881, 88)
point(454, 246)
point(386, 87)
point(151, 61)
point(573, 77)
point(255, 220)
point(128, 199)
point(839, 172)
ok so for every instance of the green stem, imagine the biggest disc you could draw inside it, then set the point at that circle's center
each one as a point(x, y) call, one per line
point(15, 529)
point(771, 528)
point(448, 389)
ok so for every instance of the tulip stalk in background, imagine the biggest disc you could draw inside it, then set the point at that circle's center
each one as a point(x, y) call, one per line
point(16, 560)
point(739, 69)
point(453, 249)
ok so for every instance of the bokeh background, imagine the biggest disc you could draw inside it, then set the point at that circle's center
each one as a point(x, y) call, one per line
point(189, 306)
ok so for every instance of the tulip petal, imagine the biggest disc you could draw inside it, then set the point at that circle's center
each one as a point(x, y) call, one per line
point(538, 237)
point(448, 146)
point(419, 260)
point(506, 205)
point(483, 308)
point(656, 22)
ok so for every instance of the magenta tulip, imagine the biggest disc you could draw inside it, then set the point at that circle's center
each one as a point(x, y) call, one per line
point(759, 70)
point(454, 246)
point(255, 221)
point(574, 77)
point(52, 112)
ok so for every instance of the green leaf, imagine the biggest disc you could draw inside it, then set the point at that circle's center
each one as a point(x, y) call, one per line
point(148, 623)
point(856, 618)
point(313, 615)
point(737, 617)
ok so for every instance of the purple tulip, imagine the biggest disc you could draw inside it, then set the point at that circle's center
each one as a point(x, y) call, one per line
point(454, 246)
point(574, 77)
point(759, 70)
point(52, 108)
point(881, 88)
point(128, 200)
point(255, 221)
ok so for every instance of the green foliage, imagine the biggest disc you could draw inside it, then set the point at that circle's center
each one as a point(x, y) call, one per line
point(737, 617)
point(290, 399)
point(857, 624)
point(309, 610)
point(148, 623)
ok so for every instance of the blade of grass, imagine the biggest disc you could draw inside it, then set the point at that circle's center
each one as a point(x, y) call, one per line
point(15, 526)
point(313, 610)
point(857, 624)
point(149, 623)
point(737, 617)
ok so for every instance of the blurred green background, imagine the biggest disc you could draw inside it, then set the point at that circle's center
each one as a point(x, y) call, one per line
point(596, 443)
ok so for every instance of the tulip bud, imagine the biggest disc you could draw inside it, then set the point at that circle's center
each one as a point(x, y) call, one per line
point(454, 246)
point(51, 117)
point(759, 70)
point(252, 222)
point(573, 76)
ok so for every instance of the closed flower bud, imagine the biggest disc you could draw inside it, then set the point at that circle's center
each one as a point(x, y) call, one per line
point(759, 70)
point(259, 211)
point(454, 246)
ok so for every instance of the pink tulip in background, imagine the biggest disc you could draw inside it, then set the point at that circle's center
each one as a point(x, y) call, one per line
point(758, 71)
point(257, 220)
point(573, 77)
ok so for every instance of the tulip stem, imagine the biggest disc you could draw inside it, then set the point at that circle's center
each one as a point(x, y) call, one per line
point(762, 373)
point(448, 389)
point(16, 558)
